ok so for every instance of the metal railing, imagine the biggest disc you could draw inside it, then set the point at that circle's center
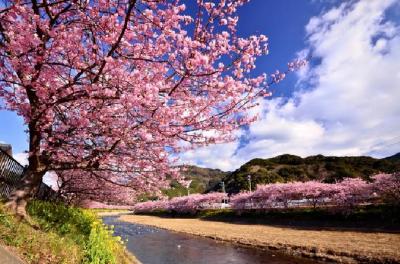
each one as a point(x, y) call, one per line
point(11, 172)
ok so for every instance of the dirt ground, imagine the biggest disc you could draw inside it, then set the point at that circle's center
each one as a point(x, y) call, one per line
point(340, 246)
point(111, 213)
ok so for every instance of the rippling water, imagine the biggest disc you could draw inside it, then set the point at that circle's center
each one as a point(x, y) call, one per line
point(156, 246)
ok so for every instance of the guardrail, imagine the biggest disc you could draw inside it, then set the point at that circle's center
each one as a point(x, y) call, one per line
point(11, 172)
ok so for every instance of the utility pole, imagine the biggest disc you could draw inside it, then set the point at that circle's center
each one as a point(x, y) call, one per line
point(187, 185)
point(223, 190)
point(249, 180)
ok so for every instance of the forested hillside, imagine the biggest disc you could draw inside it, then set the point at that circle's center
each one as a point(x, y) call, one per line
point(286, 168)
point(395, 157)
point(203, 179)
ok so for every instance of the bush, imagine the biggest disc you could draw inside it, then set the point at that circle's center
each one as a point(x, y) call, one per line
point(82, 226)
point(36, 245)
point(62, 219)
point(99, 249)
point(66, 235)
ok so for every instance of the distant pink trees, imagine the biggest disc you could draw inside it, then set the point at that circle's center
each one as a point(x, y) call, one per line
point(387, 186)
point(151, 206)
point(351, 192)
point(344, 194)
point(284, 195)
point(99, 205)
point(195, 202)
point(185, 204)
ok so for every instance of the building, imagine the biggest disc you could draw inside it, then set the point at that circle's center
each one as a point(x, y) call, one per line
point(6, 148)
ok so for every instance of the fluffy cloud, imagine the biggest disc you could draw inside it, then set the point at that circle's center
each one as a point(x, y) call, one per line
point(22, 158)
point(216, 156)
point(49, 178)
point(347, 104)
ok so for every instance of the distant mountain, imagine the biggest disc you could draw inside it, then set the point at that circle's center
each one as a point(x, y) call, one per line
point(395, 157)
point(203, 180)
point(286, 168)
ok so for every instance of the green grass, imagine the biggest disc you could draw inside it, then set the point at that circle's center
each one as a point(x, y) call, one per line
point(65, 235)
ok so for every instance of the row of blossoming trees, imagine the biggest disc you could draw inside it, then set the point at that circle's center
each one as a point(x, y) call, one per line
point(384, 188)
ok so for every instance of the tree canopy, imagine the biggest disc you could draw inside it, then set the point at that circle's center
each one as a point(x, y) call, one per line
point(111, 88)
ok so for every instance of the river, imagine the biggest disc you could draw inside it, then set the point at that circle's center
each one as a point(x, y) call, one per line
point(157, 246)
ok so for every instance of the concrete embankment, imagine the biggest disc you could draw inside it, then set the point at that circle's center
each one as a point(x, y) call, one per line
point(7, 257)
point(334, 245)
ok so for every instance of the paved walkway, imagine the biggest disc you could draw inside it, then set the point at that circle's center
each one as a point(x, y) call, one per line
point(8, 258)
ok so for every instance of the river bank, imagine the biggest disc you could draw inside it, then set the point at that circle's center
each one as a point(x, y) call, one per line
point(8, 257)
point(339, 246)
point(58, 234)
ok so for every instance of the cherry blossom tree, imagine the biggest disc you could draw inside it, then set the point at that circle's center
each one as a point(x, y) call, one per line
point(351, 192)
point(241, 201)
point(342, 196)
point(112, 88)
point(189, 204)
point(387, 187)
point(99, 205)
point(78, 187)
point(150, 206)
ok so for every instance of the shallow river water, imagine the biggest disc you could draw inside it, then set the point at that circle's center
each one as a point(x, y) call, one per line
point(157, 246)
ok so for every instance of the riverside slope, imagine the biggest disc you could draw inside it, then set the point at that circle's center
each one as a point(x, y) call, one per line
point(6, 257)
point(340, 246)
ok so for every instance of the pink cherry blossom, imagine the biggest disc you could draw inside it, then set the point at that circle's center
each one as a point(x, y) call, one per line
point(387, 187)
point(185, 204)
point(342, 195)
point(115, 87)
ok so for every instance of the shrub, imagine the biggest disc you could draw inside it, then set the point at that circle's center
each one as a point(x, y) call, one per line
point(100, 248)
point(83, 227)
point(37, 245)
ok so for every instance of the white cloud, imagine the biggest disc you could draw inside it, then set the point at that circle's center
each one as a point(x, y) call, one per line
point(351, 104)
point(50, 178)
point(215, 156)
point(22, 158)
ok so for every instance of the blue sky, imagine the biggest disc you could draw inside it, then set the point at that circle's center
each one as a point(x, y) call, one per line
point(331, 107)
point(345, 103)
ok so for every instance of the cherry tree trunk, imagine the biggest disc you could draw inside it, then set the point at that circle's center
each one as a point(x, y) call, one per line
point(32, 179)
point(25, 191)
